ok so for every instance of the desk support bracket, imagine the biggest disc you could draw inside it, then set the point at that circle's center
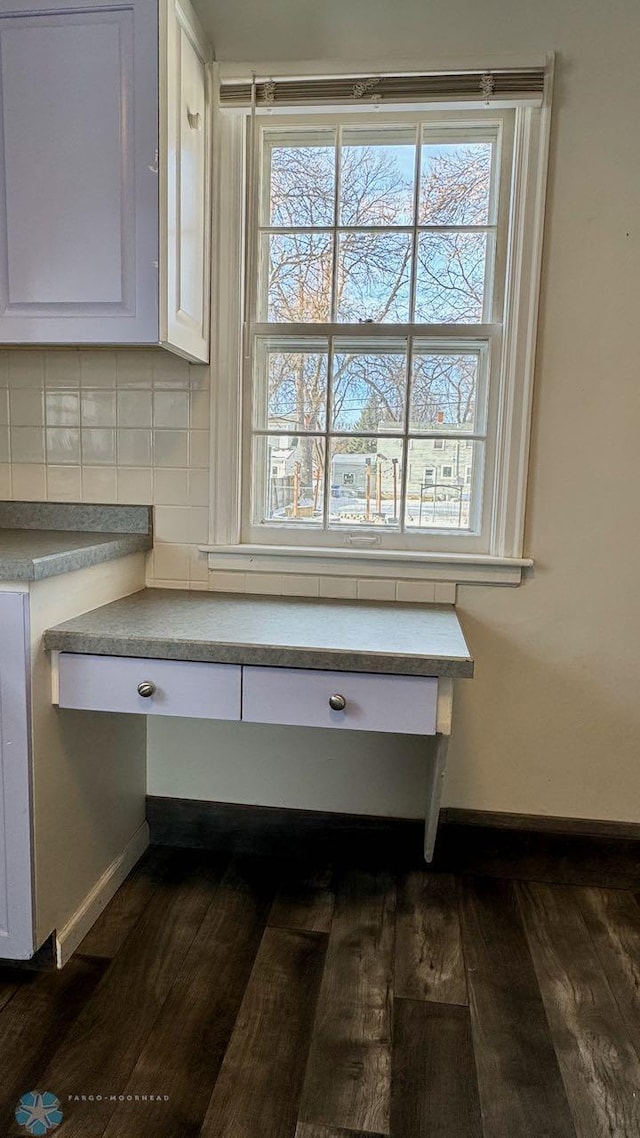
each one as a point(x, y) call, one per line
point(438, 765)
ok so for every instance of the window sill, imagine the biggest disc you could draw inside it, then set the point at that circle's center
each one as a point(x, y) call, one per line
point(459, 568)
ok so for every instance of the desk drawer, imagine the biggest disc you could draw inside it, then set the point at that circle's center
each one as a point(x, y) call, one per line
point(403, 705)
point(110, 683)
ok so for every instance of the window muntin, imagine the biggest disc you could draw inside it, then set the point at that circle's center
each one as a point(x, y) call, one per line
point(387, 225)
point(401, 255)
point(356, 406)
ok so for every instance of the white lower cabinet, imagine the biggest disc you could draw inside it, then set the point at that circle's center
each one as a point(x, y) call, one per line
point(72, 787)
point(104, 174)
point(16, 891)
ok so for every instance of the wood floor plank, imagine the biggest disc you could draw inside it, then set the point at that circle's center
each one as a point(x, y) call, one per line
point(120, 916)
point(348, 1081)
point(258, 1088)
point(519, 1081)
point(203, 991)
point(185, 1049)
point(10, 980)
point(103, 1044)
point(598, 1061)
point(305, 899)
point(37, 1019)
point(434, 1084)
point(6, 993)
point(429, 961)
point(317, 1130)
point(613, 920)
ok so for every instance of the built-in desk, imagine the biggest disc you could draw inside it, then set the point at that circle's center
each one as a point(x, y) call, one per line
point(318, 663)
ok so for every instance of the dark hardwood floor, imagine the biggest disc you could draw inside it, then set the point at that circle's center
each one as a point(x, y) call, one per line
point(236, 996)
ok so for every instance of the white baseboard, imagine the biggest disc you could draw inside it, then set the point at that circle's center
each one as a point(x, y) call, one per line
point(69, 937)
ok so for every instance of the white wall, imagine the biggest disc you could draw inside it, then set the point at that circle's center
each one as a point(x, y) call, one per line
point(551, 723)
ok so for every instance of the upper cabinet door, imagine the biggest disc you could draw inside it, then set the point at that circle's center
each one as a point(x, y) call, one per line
point(79, 172)
point(185, 158)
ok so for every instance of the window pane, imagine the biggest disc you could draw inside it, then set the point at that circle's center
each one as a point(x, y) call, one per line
point(374, 271)
point(368, 386)
point(299, 274)
point(288, 479)
point(291, 385)
point(455, 183)
point(444, 391)
point(377, 177)
point(366, 476)
point(302, 182)
point(442, 483)
point(451, 278)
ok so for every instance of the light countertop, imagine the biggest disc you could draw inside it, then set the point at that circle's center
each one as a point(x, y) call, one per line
point(273, 631)
point(31, 555)
point(43, 539)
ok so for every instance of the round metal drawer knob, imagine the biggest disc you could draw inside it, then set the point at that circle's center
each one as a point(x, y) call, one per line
point(146, 689)
point(337, 702)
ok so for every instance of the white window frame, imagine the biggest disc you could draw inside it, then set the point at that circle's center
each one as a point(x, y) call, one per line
point(503, 560)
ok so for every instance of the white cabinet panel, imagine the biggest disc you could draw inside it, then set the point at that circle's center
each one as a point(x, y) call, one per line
point(67, 162)
point(185, 136)
point(182, 688)
point(16, 906)
point(104, 174)
point(404, 705)
point(104, 191)
point(78, 174)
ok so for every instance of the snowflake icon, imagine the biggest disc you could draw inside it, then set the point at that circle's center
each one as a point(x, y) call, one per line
point(38, 1112)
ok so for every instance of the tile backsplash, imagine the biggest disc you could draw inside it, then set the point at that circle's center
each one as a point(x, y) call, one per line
point(127, 426)
point(132, 426)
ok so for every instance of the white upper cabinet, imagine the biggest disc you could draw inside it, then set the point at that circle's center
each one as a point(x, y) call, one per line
point(185, 155)
point(104, 228)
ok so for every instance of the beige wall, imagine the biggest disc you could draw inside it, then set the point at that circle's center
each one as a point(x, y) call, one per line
point(551, 723)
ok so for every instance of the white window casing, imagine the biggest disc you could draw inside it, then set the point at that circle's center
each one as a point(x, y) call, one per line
point(490, 550)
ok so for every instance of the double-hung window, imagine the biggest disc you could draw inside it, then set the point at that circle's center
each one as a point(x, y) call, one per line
point(377, 332)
